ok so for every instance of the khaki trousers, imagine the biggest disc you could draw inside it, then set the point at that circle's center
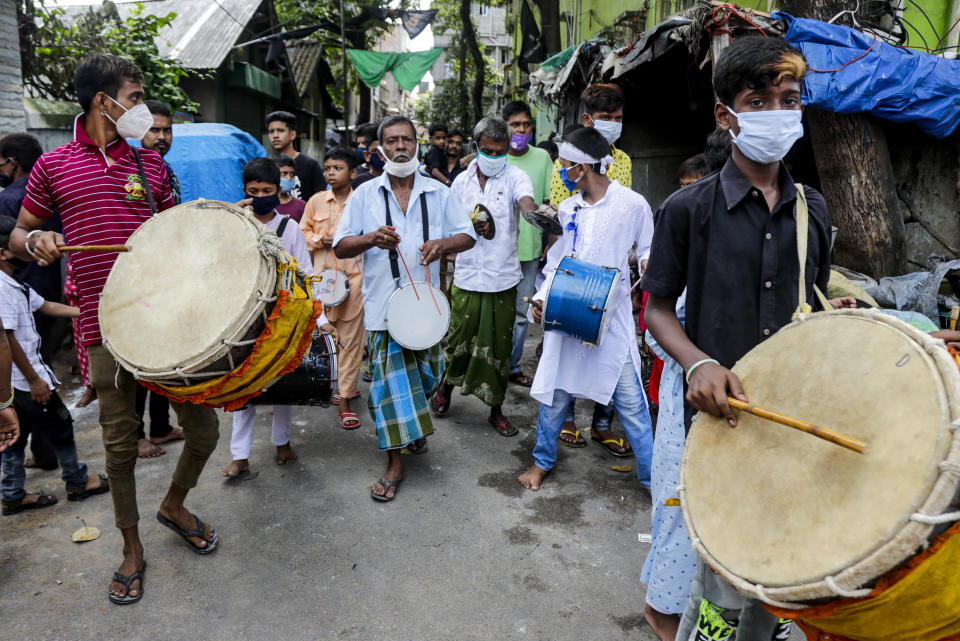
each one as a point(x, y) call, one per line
point(117, 396)
point(350, 339)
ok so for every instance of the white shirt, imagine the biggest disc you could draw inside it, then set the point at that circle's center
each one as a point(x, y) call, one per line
point(365, 212)
point(293, 241)
point(606, 232)
point(492, 265)
point(17, 304)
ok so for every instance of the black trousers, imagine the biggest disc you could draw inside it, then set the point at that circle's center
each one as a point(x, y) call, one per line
point(159, 413)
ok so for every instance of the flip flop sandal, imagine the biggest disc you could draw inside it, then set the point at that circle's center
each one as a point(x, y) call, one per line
point(418, 446)
point(574, 434)
point(521, 379)
point(386, 488)
point(439, 405)
point(15, 507)
point(607, 445)
point(349, 421)
point(337, 397)
point(196, 532)
point(83, 493)
point(367, 378)
point(503, 426)
point(127, 580)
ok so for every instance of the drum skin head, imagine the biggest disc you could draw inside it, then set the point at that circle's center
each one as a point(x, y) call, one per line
point(333, 287)
point(414, 322)
point(190, 274)
point(779, 507)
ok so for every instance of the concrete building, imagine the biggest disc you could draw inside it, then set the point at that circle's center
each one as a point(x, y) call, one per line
point(494, 36)
point(11, 85)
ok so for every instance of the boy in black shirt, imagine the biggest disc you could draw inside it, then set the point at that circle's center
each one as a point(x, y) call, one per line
point(435, 158)
point(730, 239)
point(282, 131)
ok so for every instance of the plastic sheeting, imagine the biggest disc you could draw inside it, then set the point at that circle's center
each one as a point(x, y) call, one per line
point(916, 292)
point(208, 158)
point(898, 84)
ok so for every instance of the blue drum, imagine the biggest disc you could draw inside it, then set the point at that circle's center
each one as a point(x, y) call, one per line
point(579, 300)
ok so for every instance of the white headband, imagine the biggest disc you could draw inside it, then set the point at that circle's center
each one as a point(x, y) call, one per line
point(573, 154)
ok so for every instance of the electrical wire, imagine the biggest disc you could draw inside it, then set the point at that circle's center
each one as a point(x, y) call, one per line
point(847, 64)
point(947, 33)
point(925, 46)
point(929, 21)
point(232, 17)
point(731, 11)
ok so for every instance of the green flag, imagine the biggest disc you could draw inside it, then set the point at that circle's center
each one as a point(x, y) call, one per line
point(408, 68)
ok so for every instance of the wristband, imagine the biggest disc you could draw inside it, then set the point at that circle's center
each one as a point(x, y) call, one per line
point(9, 401)
point(698, 364)
point(26, 243)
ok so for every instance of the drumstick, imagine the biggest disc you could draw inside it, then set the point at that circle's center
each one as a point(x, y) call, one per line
point(535, 303)
point(93, 248)
point(426, 270)
point(404, 261)
point(820, 432)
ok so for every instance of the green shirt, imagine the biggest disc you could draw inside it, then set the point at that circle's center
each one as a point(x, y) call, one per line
point(536, 163)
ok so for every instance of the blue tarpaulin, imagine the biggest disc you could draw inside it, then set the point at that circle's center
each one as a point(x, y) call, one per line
point(898, 84)
point(208, 158)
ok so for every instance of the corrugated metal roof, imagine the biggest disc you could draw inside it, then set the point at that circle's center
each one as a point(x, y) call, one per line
point(203, 32)
point(304, 56)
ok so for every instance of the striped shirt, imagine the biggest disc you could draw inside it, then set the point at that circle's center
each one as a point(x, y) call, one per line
point(98, 204)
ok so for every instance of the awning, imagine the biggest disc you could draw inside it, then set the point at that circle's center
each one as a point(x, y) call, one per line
point(654, 42)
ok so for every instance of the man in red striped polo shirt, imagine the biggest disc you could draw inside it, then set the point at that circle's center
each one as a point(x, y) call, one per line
point(103, 196)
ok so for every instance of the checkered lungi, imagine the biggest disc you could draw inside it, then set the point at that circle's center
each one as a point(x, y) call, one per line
point(403, 381)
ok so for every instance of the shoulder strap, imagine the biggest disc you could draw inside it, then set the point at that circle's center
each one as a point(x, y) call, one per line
point(143, 179)
point(803, 232)
point(394, 266)
point(425, 218)
point(282, 226)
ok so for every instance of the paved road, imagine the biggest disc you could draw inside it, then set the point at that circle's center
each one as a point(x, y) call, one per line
point(463, 553)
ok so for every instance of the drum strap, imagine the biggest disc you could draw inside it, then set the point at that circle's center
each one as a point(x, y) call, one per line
point(394, 266)
point(146, 185)
point(803, 231)
point(282, 226)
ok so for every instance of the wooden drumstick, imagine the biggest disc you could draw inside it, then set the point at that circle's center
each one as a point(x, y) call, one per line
point(535, 303)
point(93, 248)
point(820, 432)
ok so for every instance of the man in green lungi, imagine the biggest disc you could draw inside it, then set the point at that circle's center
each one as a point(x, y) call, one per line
point(484, 294)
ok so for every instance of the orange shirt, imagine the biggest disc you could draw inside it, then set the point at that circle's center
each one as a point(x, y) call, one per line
point(320, 218)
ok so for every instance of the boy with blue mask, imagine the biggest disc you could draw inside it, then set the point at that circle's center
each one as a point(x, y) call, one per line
point(730, 239)
point(484, 294)
point(290, 205)
point(261, 186)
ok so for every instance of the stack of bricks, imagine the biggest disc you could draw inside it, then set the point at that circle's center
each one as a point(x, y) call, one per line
point(11, 83)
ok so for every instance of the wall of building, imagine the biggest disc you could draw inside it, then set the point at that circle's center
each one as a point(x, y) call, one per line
point(11, 83)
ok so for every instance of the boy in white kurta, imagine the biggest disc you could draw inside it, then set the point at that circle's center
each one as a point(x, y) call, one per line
point(601, 225)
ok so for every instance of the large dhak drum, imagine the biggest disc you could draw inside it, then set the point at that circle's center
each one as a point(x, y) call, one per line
point(852, 546)
point(207, 307)
point(312, 382)
point(418, 315)
point(579, 300)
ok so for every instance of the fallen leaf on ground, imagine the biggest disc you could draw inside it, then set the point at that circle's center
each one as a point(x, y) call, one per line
point(621, 468)
point(86, 533)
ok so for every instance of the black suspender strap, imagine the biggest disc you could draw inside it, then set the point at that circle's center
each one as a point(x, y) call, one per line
point(425, 219)
point(282, 226)
point(146, 185)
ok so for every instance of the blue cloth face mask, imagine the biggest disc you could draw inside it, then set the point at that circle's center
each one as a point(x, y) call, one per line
point(263, 205)
point(490, 165)
point(568, 182)
point(609, 129)
point(287, 184)
point(766, 136)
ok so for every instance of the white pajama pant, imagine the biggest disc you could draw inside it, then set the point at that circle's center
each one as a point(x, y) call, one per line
point(243, 421)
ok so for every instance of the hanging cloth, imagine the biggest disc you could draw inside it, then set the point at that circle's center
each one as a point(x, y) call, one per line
point(408, 68)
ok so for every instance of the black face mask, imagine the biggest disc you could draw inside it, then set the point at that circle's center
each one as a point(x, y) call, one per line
point(5, 180)
point(263, 205)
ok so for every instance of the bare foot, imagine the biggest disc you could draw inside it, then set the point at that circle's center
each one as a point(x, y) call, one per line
point(132, 562)
point(188, 521)
point(532, 478)
point(88, 397)
point(146, 449)
point(285, 454)
point(664, 625)
point(176, 434)
point(236, 468)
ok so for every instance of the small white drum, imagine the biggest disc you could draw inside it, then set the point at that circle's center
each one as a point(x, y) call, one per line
point(418, 315)
point(332, 288)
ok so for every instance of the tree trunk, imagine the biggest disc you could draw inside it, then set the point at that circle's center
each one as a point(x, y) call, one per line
point(856, 177)
point(479, 67)
point(550, 24)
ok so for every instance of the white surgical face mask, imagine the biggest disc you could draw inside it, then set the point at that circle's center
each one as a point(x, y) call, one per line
point(401, 169)
point(609, 129)
point(490, 166)
point(766, 136)
point(134, 123)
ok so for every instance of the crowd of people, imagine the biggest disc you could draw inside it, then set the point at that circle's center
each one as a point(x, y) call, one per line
point(717, 266)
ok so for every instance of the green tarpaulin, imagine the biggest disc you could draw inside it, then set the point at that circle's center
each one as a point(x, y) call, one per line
point(408, 68)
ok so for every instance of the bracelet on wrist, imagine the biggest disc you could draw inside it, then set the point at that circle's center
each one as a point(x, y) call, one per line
point(26, 243)
point(698, 364)
point(8, 402)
